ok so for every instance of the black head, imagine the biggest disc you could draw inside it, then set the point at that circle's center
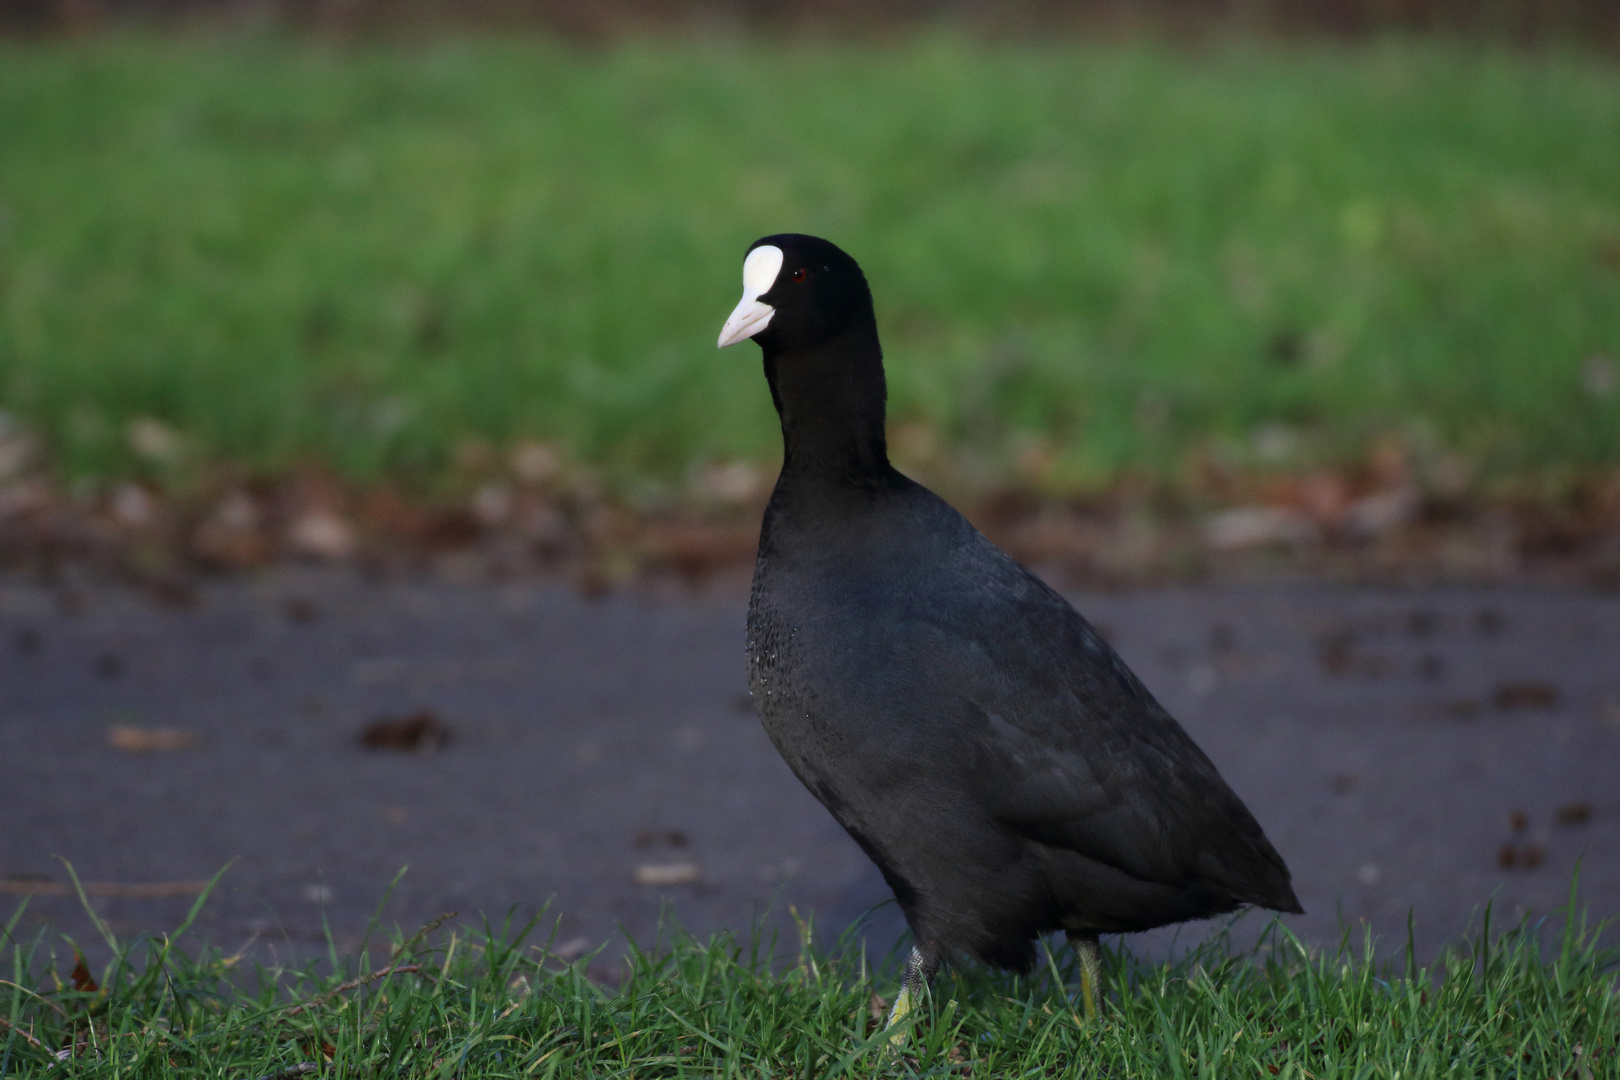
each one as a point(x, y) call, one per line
point(798, 292)
point(808, 306)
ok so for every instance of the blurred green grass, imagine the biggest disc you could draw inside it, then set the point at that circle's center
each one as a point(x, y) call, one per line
point(1089, 260)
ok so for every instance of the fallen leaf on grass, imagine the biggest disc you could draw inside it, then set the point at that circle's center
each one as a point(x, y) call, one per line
point(1375, 515)
point(82, 979)
point(1259, 526)
point(321, 534)
point(138, 740)
point(681, 873)
point(421, 732)
point(232, 537)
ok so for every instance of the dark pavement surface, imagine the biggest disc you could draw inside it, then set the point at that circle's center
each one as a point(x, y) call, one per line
point(1386, 739)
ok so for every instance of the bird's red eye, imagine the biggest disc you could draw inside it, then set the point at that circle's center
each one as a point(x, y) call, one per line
point(799, 275)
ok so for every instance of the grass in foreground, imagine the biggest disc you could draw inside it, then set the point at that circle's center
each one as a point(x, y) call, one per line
point(1089, 259)
point(483, 1004)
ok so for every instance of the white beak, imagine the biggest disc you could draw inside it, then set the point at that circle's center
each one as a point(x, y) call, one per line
point(751, 314)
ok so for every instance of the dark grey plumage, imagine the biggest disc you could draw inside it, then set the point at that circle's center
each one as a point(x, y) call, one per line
point(988, 750)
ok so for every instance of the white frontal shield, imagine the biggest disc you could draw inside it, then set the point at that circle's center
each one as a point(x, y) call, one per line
point(751, 316)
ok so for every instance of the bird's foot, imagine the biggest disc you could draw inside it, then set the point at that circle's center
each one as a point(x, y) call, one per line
point(1090, 956)
point(920, 967)
point(897, 1028)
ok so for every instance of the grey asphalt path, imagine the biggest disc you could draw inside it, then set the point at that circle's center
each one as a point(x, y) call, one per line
point(1385, 739)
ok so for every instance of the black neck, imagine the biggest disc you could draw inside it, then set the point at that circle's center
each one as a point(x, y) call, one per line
point(830, 398)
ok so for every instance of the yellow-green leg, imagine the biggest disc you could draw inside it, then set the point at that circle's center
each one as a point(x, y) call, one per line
point(920, 967)
point(1090, 954)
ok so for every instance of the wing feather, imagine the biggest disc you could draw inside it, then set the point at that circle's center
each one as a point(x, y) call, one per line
point(1074, 752)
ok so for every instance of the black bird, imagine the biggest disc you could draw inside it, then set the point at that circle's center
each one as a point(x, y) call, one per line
point(989, 751)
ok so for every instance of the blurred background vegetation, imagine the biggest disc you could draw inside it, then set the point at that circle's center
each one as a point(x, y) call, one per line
point(1108, 242)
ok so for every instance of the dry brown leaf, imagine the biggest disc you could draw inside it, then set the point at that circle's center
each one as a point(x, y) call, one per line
point(82, 979)
point(1530, 694)
point(1575, 813)
point(321, 534)
point(681, 873)
point(422, 732)
point(139, 740)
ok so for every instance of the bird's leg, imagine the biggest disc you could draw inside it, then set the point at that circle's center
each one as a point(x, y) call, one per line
point(920, 967)
point(1085, 947)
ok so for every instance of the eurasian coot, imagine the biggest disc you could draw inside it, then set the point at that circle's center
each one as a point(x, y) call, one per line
point(989, 751)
